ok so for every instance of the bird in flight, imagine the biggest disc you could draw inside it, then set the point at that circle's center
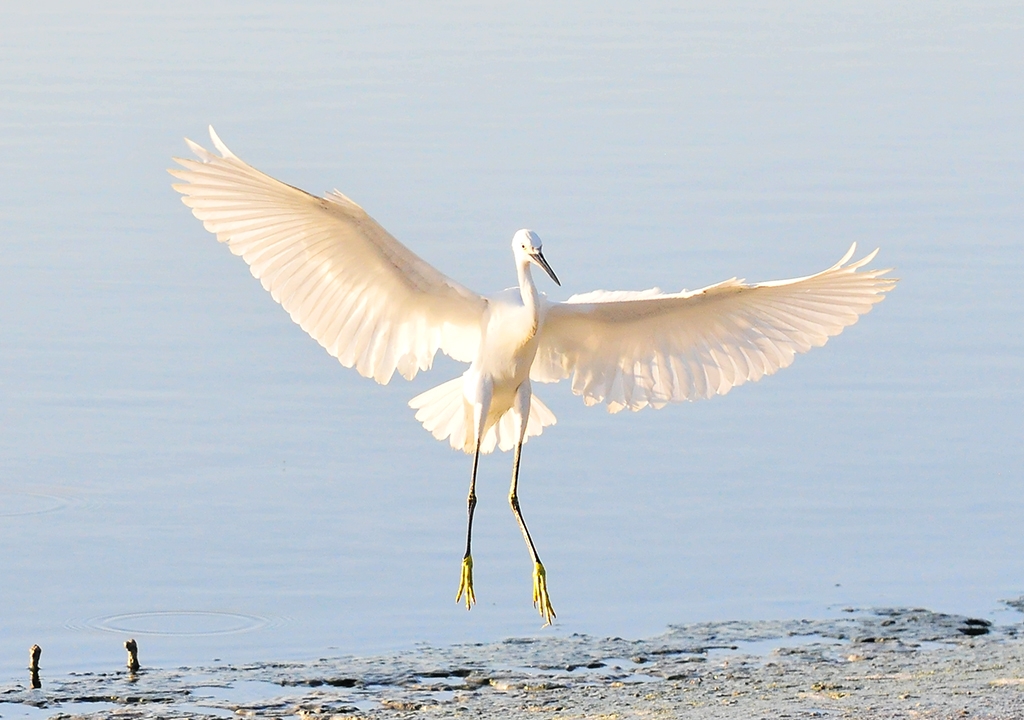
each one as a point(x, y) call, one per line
point(376, 306)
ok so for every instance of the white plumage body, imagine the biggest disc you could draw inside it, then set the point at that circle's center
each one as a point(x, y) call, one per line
point(508, 345)
point(509, 337)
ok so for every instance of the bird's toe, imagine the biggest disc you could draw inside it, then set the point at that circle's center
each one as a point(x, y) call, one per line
point(466, 583)
point(541, 599)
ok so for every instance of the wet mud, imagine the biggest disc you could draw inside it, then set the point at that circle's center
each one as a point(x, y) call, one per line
point(879, 663)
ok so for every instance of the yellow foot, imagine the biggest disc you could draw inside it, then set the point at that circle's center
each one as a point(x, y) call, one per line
point(466, 584)
point(541, 601)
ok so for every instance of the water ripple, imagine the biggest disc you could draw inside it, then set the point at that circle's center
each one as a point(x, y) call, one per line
point(179, 623)
point(15, 503)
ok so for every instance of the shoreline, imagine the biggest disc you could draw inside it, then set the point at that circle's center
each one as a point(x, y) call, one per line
point(874, 663)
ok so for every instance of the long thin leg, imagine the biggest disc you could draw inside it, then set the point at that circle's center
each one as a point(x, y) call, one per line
point(466, 583)
point(480, 397)
point(541, 599)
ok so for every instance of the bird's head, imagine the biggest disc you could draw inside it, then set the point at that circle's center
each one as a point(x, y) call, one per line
point(526, 246)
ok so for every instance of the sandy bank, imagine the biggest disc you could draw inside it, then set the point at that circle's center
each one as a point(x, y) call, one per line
point(882, 663)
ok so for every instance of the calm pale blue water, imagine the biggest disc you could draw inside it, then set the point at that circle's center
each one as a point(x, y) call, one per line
point(179, 462)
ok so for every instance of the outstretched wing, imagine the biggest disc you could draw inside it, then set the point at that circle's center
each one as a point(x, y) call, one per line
point(369, 300)
point(633, 349)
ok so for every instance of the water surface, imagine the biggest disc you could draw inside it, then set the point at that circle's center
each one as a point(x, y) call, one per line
point(179, 462)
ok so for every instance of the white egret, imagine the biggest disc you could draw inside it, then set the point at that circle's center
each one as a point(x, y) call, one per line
point(377, 307)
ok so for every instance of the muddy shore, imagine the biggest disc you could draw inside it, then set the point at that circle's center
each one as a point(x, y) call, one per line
point(879, 663)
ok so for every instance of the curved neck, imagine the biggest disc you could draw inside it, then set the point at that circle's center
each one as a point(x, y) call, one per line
point(528, 290)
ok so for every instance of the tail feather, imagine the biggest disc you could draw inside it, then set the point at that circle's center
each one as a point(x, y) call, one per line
point(442, 410)
point(446, 415)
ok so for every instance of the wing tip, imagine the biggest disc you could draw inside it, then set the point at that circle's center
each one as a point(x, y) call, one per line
point(199, 151)
point(219, 144)
point(204, 154)
point(849, 253)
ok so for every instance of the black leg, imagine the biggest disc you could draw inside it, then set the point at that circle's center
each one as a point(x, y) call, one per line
point(466, 583)
point(541, 600)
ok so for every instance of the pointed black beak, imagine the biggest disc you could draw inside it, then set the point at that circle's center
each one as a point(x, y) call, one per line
point(538, 257)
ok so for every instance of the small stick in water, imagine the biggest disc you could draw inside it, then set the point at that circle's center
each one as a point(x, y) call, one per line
point(133, 654)
point(33, 665)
